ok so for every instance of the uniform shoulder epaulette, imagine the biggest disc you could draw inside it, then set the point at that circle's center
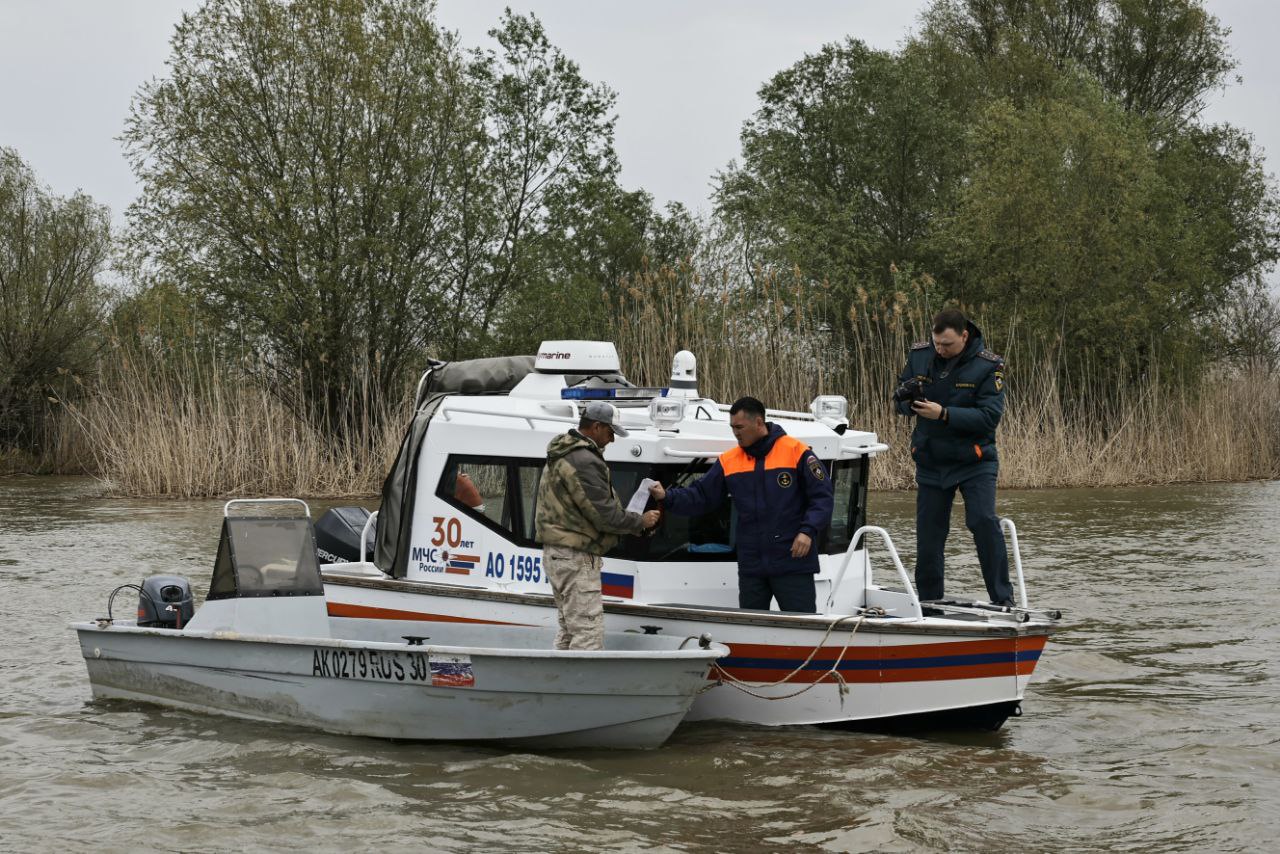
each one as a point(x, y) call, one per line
point(990, 357)
point(920, 345)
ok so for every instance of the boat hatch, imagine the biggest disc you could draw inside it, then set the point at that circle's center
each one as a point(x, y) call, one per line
point(266, 556)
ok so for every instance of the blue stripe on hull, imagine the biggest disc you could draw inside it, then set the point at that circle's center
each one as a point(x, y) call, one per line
point(885, 663)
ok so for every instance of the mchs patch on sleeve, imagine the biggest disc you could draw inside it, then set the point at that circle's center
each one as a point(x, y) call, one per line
point(816, 469)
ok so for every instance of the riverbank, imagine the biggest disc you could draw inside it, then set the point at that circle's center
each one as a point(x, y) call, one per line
point(207, 432)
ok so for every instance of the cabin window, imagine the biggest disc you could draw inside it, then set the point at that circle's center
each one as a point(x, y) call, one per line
point(502, 493)
point(499, 492)
point(710, 537)
point(849, 480)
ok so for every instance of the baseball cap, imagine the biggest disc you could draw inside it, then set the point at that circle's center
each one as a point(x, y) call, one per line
point(605, 413)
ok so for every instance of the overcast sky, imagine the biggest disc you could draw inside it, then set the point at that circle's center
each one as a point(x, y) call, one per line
point(686, 74)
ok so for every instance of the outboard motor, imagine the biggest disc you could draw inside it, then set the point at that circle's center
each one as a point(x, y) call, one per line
point(338, 535)
point(165, 602)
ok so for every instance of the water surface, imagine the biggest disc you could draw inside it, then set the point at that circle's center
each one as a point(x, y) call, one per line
point(1151, 723)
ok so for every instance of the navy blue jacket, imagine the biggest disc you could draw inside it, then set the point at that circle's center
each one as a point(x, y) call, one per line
point(972, 391)
point(779, 489)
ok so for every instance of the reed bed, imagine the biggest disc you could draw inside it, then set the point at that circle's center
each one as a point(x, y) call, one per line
point(785, 349)
point(180, 426)
point(173, 424)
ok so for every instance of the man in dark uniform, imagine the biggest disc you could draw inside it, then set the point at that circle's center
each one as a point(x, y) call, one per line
point(783, 497)
point(957, 406)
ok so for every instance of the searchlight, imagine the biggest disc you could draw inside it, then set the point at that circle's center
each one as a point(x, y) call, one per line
point(666, 412)
point(831, 410)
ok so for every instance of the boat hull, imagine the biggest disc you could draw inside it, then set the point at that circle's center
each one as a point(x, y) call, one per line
point(540, 698)
point(782, 669)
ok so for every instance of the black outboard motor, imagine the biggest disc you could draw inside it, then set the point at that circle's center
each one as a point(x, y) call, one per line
point(165, 602)
point(338, 535)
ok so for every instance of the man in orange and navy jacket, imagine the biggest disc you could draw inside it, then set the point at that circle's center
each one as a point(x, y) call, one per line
point(783, 497)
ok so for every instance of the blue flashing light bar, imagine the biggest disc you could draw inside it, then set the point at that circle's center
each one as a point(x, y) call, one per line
point(611, 393)
point(586, 393)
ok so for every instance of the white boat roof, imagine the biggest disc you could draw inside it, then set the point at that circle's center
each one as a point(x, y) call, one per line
point(536, 403)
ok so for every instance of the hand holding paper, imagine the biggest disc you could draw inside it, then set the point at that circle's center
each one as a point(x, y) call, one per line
point(641, 496)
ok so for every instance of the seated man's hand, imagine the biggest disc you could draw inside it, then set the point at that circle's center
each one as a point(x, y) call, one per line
point(800, 545)
point(657, 491)
point(651, 518)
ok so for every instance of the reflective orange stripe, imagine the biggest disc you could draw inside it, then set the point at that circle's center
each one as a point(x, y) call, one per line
point(977, 451)
point(785, 454)
point(736, 461)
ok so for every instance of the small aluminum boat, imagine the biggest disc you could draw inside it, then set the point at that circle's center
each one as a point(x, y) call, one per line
point(262, 646)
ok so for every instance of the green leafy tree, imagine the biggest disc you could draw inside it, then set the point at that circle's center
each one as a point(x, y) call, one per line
point(582, 261)
point(304, 173)
point(348, 193)
point(1156, 58)
point(553, 169)
point(1065, 222)
point(1034, 159)
point(52, 252)
point(847, 164)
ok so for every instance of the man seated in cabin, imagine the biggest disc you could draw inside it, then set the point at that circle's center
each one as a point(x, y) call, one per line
point(579, 518)
point(783, 497)
point(465, 490)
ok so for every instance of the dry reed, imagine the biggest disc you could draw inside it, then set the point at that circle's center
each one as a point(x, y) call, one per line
point(785, 349)
point(180, 426)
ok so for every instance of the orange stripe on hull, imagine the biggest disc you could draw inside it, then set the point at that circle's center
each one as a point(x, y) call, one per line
point(342, 609)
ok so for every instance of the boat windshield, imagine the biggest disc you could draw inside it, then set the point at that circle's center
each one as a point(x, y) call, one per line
point(266, 557)
point(502, 493)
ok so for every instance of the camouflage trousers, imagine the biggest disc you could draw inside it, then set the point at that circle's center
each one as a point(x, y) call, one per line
point(575, 583)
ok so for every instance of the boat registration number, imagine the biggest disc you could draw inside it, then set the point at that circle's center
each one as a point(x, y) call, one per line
point(452, 671)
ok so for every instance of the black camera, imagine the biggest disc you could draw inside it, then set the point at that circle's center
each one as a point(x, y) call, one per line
point(912, 390)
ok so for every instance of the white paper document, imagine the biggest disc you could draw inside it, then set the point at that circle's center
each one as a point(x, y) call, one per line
point(641, 497)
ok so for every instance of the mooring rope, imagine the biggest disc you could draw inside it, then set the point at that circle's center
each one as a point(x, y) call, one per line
point(724, 677)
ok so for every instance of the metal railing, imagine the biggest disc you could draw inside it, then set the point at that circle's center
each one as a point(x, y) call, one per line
point(893, 553)
point(449, 408)
point(226, 508)
point(364, 534)
point(849, 452)
point(1006, 524)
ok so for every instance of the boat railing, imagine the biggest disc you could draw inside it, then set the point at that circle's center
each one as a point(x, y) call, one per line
point(680, 454)
point(226, 508)
point(364, 534)
point(451, 407)
point(849, 452)
point(1006, 524)
point(855, 545)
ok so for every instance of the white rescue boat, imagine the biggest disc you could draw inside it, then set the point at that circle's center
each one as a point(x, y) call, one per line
point(454, 543)
point(262, 646)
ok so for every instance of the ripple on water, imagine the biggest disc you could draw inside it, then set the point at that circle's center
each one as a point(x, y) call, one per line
point(1151, 723)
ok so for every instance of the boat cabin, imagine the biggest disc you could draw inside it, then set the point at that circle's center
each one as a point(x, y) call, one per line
point(460, 502)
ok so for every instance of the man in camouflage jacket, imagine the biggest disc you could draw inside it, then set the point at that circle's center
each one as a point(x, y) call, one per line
point(578, 519)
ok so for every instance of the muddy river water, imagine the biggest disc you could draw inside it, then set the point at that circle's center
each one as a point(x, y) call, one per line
point(1152, 722)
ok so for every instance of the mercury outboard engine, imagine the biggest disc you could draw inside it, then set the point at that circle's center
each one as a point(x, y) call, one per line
point(338, 535)
point(165, 602)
